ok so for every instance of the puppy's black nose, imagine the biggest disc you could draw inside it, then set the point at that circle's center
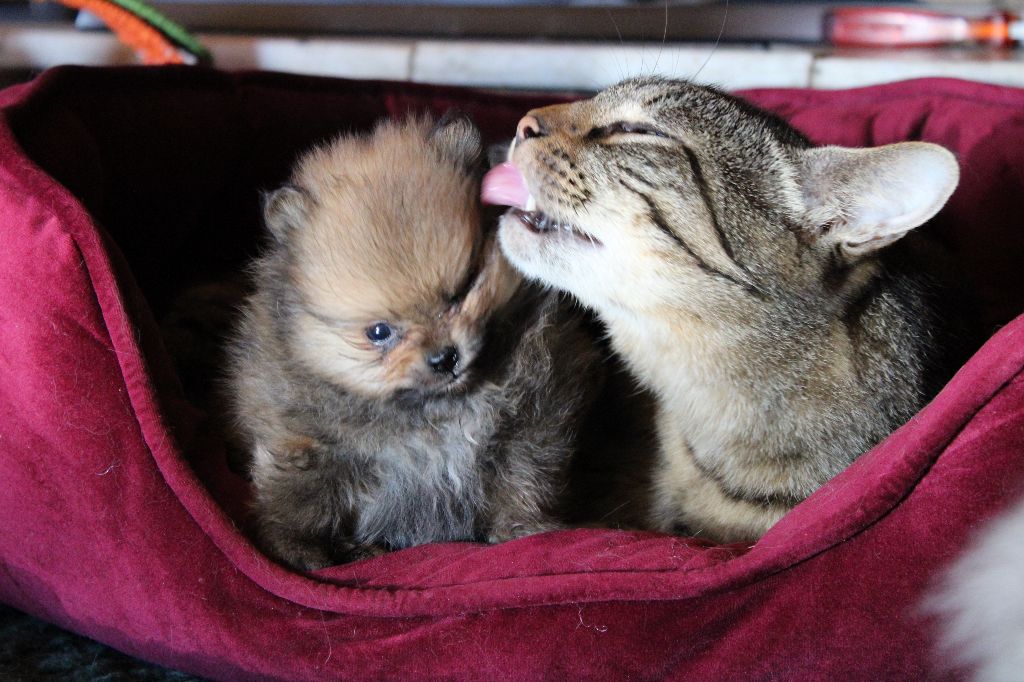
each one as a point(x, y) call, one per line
point(530, 126)
point(444, 360)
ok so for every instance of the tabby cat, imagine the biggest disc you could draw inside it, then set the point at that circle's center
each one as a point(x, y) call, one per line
point(743, 275)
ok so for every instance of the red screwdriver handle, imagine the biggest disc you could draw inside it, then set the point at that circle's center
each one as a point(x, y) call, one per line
point(882, 27)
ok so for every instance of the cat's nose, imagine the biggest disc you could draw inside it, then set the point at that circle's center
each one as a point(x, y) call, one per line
point(444, 360)
point(530, 126)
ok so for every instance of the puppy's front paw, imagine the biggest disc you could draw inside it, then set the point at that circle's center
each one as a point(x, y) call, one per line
point(512, 531)
point(311, 555)
point(299, 554)
point(357, 552)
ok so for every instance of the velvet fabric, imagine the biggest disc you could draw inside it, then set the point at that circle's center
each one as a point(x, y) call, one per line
point(120, 186)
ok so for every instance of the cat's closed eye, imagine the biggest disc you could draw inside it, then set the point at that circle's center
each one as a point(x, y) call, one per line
point(624, 128)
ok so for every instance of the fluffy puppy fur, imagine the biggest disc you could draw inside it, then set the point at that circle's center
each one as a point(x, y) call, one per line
point(395, 381)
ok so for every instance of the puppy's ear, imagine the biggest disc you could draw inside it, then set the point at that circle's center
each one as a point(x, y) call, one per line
point(458, 140)
point(284, 210)
point(495, 285)
point(498, 153)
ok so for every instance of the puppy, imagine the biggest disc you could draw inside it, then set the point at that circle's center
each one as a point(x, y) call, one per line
point(395, 381)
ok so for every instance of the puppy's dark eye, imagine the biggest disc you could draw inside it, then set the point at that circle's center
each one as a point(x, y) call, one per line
point(624, 128)
point(380, 333)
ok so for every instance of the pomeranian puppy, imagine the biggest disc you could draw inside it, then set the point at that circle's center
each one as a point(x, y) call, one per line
point(395, 381)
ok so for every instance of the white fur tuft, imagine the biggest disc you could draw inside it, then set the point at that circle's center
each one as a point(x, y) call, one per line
point(980, 604)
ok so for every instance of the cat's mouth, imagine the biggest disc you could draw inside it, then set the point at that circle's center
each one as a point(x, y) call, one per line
point(504, 185)
point(539, 222)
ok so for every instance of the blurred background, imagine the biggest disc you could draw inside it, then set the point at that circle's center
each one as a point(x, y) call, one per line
point(575, 45)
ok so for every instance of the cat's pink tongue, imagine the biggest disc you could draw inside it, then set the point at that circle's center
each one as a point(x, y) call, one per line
point(504, 186)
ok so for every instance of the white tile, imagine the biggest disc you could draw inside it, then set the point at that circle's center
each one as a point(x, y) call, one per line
point(848, 71)
point(529, 65)
point(349, 58)
point(39, 48)
point(590, 66)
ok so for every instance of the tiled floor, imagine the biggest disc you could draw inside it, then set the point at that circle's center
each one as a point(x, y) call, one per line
point(530, 65)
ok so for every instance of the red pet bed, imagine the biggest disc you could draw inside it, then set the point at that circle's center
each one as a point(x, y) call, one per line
point(119, 186)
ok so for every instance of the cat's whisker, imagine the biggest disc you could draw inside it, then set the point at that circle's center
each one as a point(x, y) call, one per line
point(664, 37)
point(622, 44)
point(607, 515)
point(718, 40)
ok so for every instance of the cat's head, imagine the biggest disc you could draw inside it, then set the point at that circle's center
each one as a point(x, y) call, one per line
point(658, 193)
point(388, 274)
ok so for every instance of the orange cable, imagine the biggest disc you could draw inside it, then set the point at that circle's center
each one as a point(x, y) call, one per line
point(149, 44)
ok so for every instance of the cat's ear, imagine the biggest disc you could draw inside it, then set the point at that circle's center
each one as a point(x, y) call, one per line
point(457, 139)
point(284, 210)
point(861, 200)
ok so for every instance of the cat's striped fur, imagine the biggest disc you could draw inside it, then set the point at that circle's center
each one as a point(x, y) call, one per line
point(741, 275)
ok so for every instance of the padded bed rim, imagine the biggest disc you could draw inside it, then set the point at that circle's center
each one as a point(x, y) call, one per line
point(818, 523)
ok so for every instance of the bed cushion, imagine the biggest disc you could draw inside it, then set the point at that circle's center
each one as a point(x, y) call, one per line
point(120, 186)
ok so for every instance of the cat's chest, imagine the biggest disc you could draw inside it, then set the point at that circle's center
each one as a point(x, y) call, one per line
point(706, 392)
point(689, 372)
